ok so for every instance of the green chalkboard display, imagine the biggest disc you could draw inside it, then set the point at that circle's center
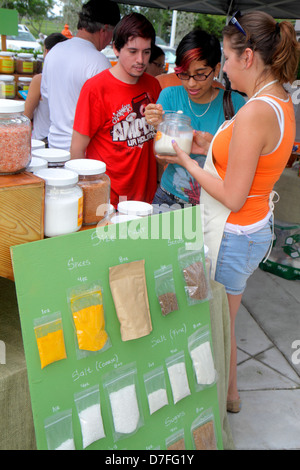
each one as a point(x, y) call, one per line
point(102, 399)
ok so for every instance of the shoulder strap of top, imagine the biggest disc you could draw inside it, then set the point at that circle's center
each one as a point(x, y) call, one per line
point(279, 113)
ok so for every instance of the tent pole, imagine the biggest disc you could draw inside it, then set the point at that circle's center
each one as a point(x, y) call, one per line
point(173, 28)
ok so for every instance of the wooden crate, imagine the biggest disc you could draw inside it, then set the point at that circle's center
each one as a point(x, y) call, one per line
point(21, 215)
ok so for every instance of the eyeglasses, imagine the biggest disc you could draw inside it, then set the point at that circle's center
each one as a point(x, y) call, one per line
point(160, 66)
point(199, 77)
point(235, 22)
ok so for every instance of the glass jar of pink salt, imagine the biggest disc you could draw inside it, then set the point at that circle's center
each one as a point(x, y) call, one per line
point(15, 137)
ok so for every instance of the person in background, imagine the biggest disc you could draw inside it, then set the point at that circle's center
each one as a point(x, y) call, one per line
point(71, 63)
point(110, 124)
point(157, 61)
point(246, 158)
point(36, 108)
point(198, 57)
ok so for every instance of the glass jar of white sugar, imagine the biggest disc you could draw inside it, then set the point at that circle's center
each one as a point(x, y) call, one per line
point(63, 201)
point(175, 126)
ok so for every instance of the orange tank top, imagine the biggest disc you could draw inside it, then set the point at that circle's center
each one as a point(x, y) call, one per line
point(269, 168)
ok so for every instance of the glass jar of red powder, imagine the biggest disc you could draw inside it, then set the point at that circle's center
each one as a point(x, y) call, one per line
point(95, 185)
point(15, 137)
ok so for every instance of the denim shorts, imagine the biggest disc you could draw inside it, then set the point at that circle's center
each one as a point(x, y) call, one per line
point(239, 256)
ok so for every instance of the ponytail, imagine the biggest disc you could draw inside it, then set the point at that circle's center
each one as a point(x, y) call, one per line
point(275, 42)
point(286, 55)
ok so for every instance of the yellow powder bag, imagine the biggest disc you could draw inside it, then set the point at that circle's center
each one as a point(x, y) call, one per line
point(50, 342)
point(89, 323)
point(129, 291)
point(88, 316)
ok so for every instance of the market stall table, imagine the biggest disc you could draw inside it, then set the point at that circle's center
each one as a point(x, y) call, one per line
point(288, 188)
point(16, 423)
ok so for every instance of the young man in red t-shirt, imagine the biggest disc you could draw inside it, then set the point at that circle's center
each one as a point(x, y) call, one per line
point(109, 122)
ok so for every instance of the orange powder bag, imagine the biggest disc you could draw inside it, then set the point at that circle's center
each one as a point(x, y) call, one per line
point(50, 339)
point(88, 316)
point(89, 323)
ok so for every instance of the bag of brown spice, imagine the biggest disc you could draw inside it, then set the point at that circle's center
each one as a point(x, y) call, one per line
point(129, 291)
point(165, 289)
point(192, 263)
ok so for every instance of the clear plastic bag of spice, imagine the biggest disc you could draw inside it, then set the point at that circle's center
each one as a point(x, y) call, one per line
point(86, 305)
point(89, 413)
point(59, 431)
point(191, 260)
point(156, 390)
point(176, 441)
point(203, 431)
point(200, 350)
point(121, 390)
point(165, 289)
point(50, 339)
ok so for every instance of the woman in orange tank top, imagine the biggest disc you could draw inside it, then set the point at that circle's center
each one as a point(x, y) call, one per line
point(247, 157)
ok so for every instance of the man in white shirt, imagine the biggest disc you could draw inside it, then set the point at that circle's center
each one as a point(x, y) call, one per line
point(72, 62)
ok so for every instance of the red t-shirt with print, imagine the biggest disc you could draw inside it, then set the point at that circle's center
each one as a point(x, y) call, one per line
point(111, 113)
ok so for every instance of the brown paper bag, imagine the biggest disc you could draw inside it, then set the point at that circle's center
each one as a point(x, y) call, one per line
point(129, 291)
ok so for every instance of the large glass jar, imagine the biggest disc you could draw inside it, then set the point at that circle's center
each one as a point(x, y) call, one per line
point(7, 62)
point(63, 201)
point(15, 137)
point(25, 63)
point(96, 188)
point(23, 84)
point(39, 63)
point(7, 87)
point(175, 126)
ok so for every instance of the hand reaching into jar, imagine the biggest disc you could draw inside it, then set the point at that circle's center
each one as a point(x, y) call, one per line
point(154, 114)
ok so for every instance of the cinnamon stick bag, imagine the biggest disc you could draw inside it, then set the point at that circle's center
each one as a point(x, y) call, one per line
point(129, 292)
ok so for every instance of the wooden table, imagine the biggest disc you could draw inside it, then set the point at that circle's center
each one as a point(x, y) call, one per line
point(21, 214)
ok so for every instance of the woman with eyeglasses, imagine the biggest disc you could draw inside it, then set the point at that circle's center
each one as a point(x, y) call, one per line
point(198, 57)
point(156, 63)
point(246, 157)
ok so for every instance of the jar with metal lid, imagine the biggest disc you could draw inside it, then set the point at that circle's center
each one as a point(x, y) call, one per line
point(136, 208)
point(7, 62)
point(96, 188)
point(25, 63)
point(15, 137)
point(175, 126)
point(63, 201)
point(56, 158)
point(7, 87)
point(23, 84)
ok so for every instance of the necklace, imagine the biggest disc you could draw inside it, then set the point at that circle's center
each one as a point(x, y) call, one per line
point(262, 88)
point(200, 115)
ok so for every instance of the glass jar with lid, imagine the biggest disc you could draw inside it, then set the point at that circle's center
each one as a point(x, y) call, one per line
point(175, 126)
point(96, 188)
point(15, 137)
point(7, 62)
point(63, 201)
point(7, 87)
point(39, 63)
point(56, 158)
point(135, 208)
point(36, 164)
point(25, 63)
point(37, 144)
point(23, 84)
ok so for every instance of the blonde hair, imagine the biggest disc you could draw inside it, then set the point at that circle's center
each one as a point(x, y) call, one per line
point(275, 42)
